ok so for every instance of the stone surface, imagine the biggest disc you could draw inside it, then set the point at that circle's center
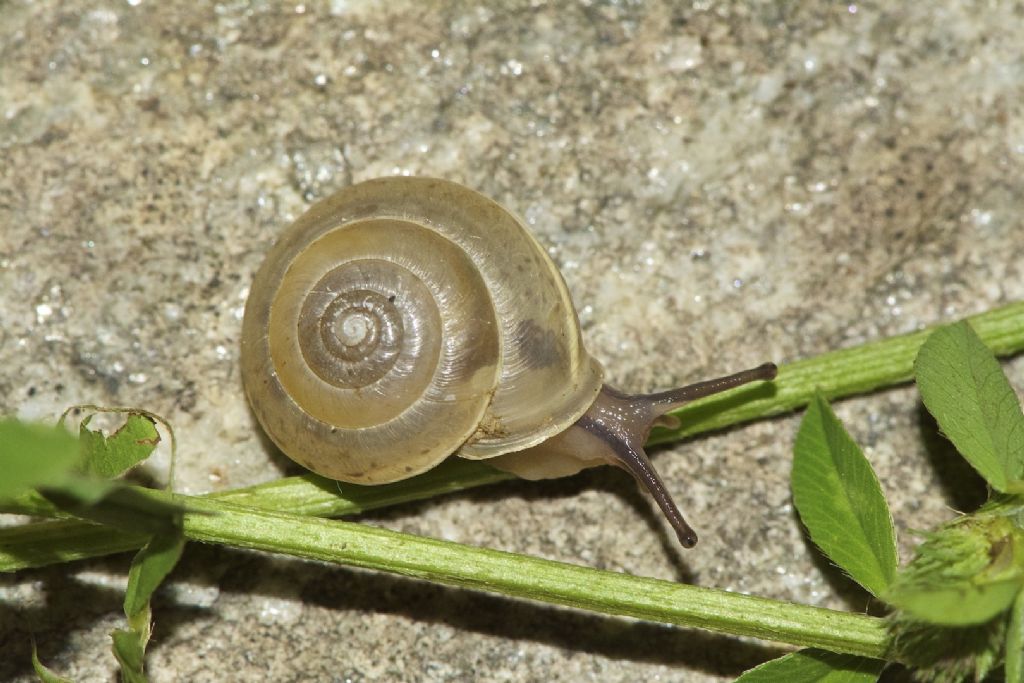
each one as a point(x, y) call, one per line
point(721, 183)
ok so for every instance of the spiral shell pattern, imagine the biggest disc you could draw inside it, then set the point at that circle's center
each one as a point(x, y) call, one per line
point(405, 319)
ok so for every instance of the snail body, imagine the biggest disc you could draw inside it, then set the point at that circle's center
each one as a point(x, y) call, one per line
point(405, 319)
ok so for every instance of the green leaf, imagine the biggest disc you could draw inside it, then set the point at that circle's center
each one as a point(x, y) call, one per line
point(33, 455)
point(840, 501)
point(45, 674)
point(966, 391)
point(110, 456)
point(131, 655)
point(1015, 642)
point(150, 567)
point(946, 653)
point(815, 666)
point(966, 573)
point(961, 605)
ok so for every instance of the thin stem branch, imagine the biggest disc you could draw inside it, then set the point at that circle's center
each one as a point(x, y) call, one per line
point(68, 538)
point(837, 374)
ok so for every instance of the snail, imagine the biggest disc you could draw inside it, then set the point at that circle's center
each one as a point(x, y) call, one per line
point(403, 320)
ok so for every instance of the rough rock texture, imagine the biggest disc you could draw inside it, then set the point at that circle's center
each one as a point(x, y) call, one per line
point(721, 184)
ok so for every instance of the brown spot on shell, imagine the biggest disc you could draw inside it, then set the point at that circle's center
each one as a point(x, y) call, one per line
point(541, 345)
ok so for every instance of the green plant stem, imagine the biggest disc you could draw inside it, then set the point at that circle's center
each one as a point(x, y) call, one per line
point(360, 545)
point(221, 522)
point(67, 539)
point(836, 374)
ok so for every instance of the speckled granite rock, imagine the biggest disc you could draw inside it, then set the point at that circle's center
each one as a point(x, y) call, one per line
point(721, 184)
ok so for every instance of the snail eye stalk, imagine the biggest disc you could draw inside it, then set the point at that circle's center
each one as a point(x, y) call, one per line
point(622, 422)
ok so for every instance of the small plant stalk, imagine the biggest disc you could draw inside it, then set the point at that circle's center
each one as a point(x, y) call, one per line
point(521, 576)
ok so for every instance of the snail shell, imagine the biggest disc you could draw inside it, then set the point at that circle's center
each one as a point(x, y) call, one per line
point(405, 319)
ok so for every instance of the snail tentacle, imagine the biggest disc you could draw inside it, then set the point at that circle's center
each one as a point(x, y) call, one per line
point(614, 430)
point(635, 461)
